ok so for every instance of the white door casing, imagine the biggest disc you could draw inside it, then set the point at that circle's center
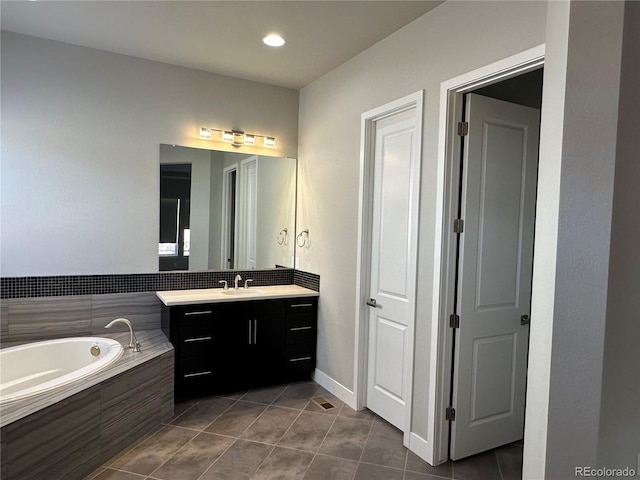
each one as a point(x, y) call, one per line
point(390, 181)
point(494, 274)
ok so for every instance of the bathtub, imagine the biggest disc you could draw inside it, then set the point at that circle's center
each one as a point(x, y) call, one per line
point(34, 368)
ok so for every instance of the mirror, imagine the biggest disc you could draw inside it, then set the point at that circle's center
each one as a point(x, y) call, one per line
point(225, 210)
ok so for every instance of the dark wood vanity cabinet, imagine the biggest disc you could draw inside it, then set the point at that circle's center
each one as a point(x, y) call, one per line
point(222, 347)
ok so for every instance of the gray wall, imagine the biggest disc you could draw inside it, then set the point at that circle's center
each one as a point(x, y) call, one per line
point(619, 444)
point(452, 39)
point(571, 303)
point(80, 136)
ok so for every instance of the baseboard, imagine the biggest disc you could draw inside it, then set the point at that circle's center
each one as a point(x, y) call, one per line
point(334, 387)
point(420, 447)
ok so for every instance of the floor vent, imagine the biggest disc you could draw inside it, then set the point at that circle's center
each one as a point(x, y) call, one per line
point(323, 402)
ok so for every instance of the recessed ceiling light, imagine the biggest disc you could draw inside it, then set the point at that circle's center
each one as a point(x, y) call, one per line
point(273, 40)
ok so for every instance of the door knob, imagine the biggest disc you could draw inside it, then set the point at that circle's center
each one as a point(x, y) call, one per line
point(524, 320)
point(372, 302)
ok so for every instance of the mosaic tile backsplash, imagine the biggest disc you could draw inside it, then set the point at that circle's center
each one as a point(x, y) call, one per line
point(67, 285)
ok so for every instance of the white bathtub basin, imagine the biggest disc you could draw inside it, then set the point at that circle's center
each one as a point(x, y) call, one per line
point(33, 368)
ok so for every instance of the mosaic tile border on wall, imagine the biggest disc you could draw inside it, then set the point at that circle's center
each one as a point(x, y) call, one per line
point(68, 285)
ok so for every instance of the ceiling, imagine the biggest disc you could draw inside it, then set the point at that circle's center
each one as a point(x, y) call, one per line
point(223, 37)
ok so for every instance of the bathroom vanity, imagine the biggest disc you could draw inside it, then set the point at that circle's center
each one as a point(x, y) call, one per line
point(228, 340)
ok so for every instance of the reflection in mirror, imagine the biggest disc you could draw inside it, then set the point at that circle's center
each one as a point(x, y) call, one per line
point(225, 210)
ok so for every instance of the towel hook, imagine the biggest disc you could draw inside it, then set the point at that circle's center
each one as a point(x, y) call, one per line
point(305, 236)
point(282, 237)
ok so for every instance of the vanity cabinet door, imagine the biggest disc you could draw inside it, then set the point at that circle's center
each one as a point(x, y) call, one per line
point(267, 351)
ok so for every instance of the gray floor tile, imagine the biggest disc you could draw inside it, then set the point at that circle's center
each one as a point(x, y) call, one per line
point(236, 419)
point(180, 407)
point(154, 451)
point(284, 464)
point(324, 467)
point(416, 464)
point(233, 395)
point(271, 425)
point(346, 438)
point(265, 395)
point(110, 474)
point(194, 458)
point(483, 466)
point(203, 413)
point(278, 433)
point(239, 462)
point(366, 414)
point(384, 446)
point(307, 432)
point(93, 474)
point(510, 461)
point(366, 471)
point(297, 395)
point(421, 476)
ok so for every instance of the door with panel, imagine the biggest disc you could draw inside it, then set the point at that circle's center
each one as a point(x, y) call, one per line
point(396, 172)
point(498, 194)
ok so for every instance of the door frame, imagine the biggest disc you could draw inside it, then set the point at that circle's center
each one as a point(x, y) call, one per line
point(447, 199)
point(224, 241)
point(365, 214)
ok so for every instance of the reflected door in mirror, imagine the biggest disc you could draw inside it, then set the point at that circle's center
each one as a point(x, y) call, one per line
point(175, 200)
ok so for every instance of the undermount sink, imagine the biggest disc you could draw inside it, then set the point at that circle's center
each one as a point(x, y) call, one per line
point(243, 292)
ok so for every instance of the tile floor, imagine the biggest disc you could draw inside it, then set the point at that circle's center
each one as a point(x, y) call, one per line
point(281, 433)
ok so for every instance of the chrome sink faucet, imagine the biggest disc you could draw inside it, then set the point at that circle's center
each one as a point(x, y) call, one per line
point(236, 280)
point(133, 341)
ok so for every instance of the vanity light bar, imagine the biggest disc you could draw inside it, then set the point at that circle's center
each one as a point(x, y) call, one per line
point(237, 138)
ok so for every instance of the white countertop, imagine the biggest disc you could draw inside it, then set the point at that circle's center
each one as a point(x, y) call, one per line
point(216, 295)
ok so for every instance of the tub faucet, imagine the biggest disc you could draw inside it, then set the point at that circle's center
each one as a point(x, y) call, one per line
point(236, 280)
point(133, 341)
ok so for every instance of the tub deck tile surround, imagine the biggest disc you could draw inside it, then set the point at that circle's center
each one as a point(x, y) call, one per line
point(55, 442)
point(154, 344)
point(142, 309)
point(67, 433)
point(49, 317)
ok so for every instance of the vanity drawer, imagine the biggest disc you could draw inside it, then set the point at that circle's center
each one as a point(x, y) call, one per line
point(196, 336)
point(301, 328)
point(301, 358)
point(202, 312)
point(302, 305)
point(195, 376)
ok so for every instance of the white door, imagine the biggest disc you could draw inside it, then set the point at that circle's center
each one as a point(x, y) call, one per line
point(494, 274)
point(393, 266)
point(248, 213)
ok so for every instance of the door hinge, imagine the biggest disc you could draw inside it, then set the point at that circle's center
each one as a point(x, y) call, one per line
point(463, 129)
point(454, 321)
point(458, 225)
point(450, 414)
